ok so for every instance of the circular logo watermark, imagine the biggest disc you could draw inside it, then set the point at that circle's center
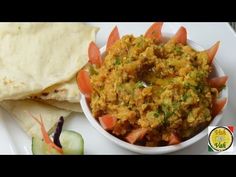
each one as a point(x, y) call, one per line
point(220, 138)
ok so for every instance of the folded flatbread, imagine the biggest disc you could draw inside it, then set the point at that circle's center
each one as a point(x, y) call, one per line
point(35, 56)
point(67, 91)
point(20, 109)
point(75, 107)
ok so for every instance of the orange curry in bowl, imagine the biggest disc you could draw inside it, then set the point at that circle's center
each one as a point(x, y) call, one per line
point(149, 92)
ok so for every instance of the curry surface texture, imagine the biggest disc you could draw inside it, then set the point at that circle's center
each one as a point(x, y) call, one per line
point(159, 86)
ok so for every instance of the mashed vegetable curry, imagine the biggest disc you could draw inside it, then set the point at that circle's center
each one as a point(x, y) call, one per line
point(152, 93)
point(160, 87)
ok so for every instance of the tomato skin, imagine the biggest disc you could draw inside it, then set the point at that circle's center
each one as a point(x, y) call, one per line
point(218, 105)
point(218, 82)
point(113, 37)
point(136, 135)
point(84, 83)
point(180, 36)
point(174, 139)
point(154, 32)
point(107, 121)
point(212, 51)
point(94, 55)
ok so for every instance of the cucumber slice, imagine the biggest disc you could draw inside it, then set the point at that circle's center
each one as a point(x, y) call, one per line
point(71, 141)
point(39, 147)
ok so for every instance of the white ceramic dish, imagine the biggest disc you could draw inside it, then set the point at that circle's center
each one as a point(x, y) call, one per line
point(15, 141)
point(157, 150)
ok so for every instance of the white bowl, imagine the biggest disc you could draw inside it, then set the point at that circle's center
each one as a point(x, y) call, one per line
point(164, 149)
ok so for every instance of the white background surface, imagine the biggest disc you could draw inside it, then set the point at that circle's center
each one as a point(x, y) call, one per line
point(14, 141)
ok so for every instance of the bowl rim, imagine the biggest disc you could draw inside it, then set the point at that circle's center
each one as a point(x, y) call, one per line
point(159, 149)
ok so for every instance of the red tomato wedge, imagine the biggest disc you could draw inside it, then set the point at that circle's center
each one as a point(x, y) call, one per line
point(136, 135)
point(174, 139)
point(180, 36)
point(113, 37)
point(154, 32)
point(212, 51)
point(94, 55)
point(107, 121)
point(218, 82)
point(218, 105)
point(84, 83)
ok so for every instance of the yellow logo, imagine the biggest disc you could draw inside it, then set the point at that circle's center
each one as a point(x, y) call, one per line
point(220, 138)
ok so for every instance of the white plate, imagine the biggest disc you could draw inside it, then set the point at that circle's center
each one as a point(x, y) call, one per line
point(14, 141)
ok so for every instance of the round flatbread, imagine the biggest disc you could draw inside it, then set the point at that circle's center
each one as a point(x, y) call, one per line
point(35, 56)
